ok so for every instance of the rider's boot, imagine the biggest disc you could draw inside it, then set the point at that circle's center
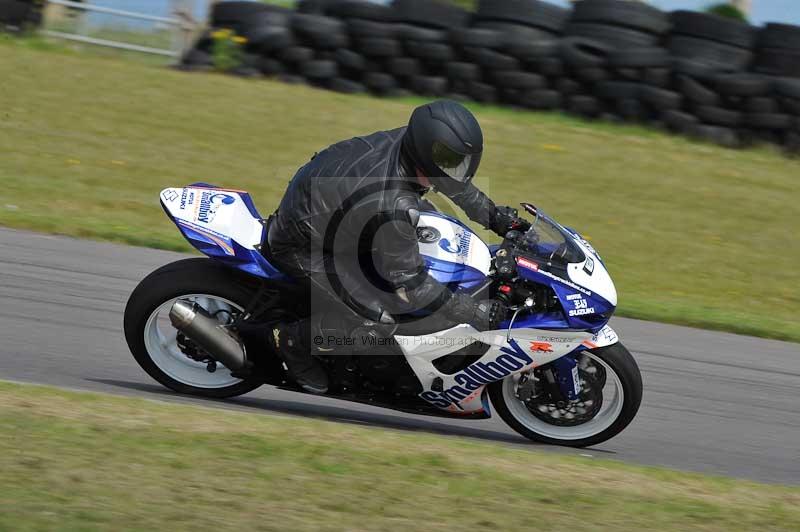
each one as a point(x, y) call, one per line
point(294, 349)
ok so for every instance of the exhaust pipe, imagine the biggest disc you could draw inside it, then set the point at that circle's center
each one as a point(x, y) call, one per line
point(204, 330)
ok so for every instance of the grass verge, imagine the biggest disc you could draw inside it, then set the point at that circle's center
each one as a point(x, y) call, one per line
point(81, 461)
point(693, 234)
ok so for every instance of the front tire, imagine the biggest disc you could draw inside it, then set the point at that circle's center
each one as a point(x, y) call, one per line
point(621, 375)
point(147, 330)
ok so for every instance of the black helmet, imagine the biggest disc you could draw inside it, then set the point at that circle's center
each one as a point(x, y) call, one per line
point(445, 143)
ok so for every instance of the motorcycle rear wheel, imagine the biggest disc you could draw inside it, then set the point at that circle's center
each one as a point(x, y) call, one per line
point(153, 342)
point(621, 396)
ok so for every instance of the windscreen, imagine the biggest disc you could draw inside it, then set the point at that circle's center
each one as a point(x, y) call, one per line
point(551, 244)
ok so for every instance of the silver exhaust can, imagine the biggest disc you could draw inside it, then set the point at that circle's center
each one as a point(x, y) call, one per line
point(208, 333)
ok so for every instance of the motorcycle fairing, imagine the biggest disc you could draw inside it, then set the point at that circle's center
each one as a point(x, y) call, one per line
point(583, 309)
point(457, 257)
point(221, 223)
point(462, 393)
point(454, 255)
point(581, 283)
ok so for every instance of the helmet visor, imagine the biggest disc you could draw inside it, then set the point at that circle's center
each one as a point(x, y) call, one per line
point(452, 163)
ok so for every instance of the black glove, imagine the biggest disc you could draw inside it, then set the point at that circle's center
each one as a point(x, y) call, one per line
point(505, 219)
point(484, 315)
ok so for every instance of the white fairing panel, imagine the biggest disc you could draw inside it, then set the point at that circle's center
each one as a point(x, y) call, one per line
point(607, 336)
point(454, 243)
point(220, 211)
point(592, 274)
point(462, 392)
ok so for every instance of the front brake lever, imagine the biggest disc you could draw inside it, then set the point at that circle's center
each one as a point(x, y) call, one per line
point(527, 306)
point(511, 323)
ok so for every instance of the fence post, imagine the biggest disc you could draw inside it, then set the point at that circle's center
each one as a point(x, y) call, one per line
point(209, 7)
point(184, 32)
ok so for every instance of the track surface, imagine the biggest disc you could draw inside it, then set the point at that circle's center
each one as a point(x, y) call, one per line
point(714, 402)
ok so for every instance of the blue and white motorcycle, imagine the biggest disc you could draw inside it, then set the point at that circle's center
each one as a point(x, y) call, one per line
point(554, 371)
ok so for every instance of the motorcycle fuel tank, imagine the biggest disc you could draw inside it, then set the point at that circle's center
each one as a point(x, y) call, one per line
point(454, 254)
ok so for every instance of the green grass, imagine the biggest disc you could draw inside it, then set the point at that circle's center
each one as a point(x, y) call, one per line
point(692, 233)
point(79, 461)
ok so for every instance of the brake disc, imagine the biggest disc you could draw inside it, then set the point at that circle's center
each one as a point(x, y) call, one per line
point(571, 413)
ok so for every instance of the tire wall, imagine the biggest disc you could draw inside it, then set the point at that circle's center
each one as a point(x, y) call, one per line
point(19, 15)
point(692, 73)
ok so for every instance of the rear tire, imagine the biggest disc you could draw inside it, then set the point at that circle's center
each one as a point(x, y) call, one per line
point(179, 279)
point(615, 358)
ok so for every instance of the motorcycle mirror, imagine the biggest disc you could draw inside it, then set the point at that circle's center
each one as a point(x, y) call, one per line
point(530, 208)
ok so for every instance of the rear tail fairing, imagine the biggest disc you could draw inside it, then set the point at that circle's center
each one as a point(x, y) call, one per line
point(222, 224)
point(462, 393)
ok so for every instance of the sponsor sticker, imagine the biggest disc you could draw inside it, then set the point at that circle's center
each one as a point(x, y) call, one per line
point(450, 247)
point(478, 374)
point(556, 339)
point(607, 335)
point(565, 282)
point(581, 306)
point(529, 264)
point(460, 246)
point(576, 380)
point(187, 198)
point(541, 347)
point(169, 195)
point(588, 266)
point(210, 202)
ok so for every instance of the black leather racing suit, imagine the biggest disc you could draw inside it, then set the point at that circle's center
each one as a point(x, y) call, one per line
point(346, 226)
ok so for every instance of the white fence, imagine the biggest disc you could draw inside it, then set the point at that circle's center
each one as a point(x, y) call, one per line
point(181, 25)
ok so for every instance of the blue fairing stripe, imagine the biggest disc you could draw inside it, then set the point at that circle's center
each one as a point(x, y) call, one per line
point(452, 272)
point(485, 402)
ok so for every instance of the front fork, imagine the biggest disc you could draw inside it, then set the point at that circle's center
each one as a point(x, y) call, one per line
point(563, 378)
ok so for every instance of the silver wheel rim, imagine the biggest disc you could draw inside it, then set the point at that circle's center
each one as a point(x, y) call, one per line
point(160, 340)
point(613, 400)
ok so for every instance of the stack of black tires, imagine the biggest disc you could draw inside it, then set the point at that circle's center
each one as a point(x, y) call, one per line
point(696, 74)
point(777, 55)
point(375, 42)
point(19, 15)
point(509, 53)
point(425, 51)
point(616, 64)
point(711, 56)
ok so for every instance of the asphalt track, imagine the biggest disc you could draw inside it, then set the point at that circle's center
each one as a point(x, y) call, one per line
point(714, 402)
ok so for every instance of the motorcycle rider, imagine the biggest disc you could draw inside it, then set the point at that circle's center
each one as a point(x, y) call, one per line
point(346, 231)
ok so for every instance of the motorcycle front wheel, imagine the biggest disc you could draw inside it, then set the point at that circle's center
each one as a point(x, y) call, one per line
point(611, 392)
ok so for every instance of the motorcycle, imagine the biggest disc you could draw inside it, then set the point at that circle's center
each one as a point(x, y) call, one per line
point(554, 370)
